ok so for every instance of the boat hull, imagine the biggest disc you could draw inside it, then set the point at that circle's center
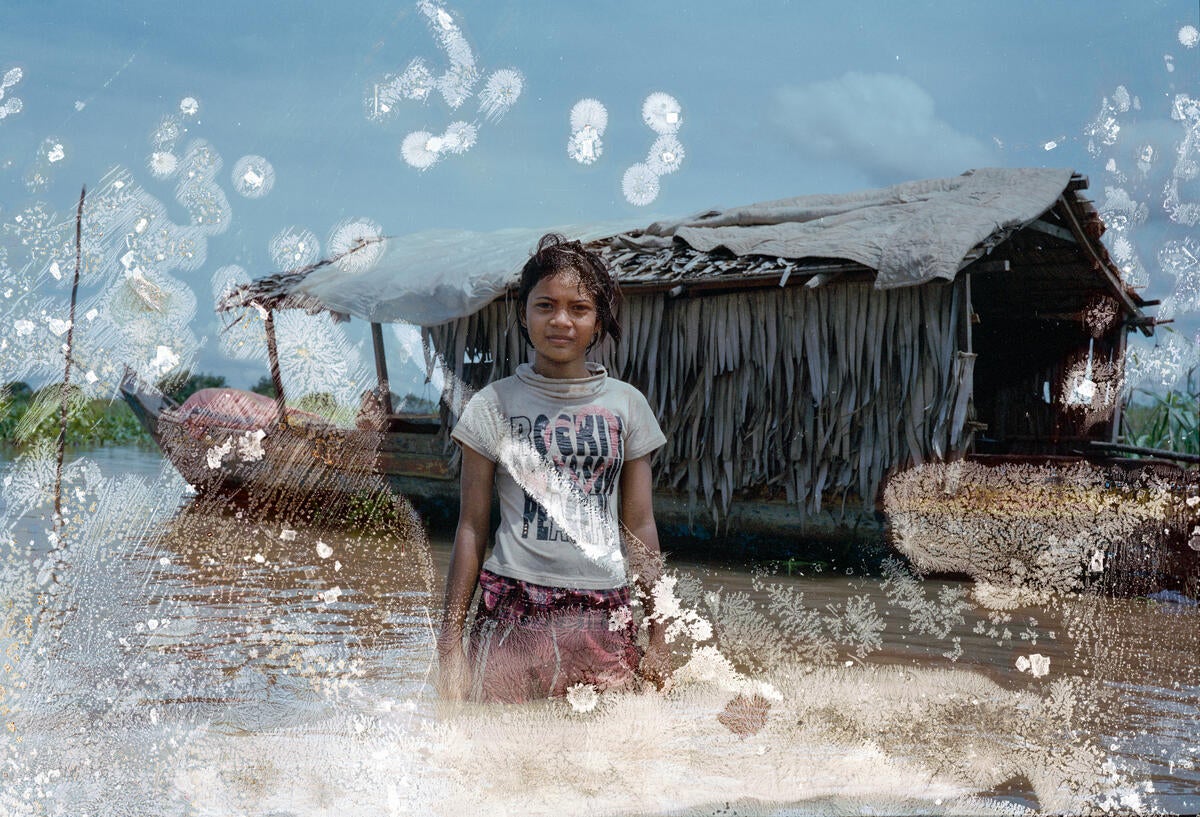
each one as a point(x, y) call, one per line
point(1030, 528)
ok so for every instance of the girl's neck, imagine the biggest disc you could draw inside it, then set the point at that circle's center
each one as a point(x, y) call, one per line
point(572, 370)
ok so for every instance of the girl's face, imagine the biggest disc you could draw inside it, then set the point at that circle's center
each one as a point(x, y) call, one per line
point(562, 322)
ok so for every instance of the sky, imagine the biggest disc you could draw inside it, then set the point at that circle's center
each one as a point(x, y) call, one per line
point(778, 99)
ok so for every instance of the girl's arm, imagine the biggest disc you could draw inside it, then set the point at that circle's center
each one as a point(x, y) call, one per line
point(645, 557)
point(466, 560)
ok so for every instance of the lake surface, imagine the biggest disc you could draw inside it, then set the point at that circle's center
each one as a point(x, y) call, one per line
point(171, 657)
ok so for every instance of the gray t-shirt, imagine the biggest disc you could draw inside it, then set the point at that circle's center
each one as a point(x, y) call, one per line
point(559, 445)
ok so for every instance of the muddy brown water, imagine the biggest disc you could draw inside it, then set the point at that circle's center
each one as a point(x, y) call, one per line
point(185, 661)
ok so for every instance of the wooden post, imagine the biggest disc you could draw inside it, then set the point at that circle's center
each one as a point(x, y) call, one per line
point(966, 354)
point(276, 377)
point(1114, 431)
point(62, 414)
point(1099, 264)
point(385, 390)
point(966, 341)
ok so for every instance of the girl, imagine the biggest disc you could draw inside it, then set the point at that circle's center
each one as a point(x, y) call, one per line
point(568, 450)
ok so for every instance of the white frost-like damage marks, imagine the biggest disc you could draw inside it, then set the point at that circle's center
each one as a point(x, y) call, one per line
point(422, 149)
point(589, 119)
point(1186, 111)
point(1162, 366)
point(248, 446)
point(677, 619)
point(1122, 215)
point(1035, 664)
point(253, 177)
point(500, 92)
point(886, 740)
point(1023, 532)
point(317, 356)
point(244, 336)
point(640, 185)
point(12, 105)
point(294, 247)
point(583, 698)
point(216, 455)
point(356, 245)
point(663, 114)
point(1181, 260)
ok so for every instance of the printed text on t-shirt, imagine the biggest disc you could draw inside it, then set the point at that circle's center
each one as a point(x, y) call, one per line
point(586, 448)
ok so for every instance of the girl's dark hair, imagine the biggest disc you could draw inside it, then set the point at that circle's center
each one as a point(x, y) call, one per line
point(555, 254)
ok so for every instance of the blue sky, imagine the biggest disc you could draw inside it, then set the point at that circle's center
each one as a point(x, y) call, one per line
point(779, 99)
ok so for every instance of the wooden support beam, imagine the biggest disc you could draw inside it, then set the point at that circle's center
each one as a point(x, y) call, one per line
point(1052, 229)
point(1158, 453)
point(381, 374)
point(1114, 281)
point(273, 359)
point(1114, 428)
point(820, 279)
point(992, 266)
point(964, 323)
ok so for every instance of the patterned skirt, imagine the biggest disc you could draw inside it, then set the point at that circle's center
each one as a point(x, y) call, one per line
point(530, 641)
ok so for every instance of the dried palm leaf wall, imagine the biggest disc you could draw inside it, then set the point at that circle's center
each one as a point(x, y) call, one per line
point(814, 393)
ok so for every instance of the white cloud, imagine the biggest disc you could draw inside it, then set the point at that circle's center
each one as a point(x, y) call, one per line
point(881, 124)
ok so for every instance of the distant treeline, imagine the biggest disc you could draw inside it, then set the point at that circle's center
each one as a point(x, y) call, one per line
point(1167, 420)
point(28, 414)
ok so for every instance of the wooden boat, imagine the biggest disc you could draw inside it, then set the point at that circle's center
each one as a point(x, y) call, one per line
point(301, 456)
point(306, 459)
point(1042, 525)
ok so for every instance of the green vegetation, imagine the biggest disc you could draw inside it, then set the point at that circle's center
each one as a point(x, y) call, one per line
point(376, 512)
point(322, 403)
point(27, 416)
point(179, 386)
point(264, 386)
point(1165, 420)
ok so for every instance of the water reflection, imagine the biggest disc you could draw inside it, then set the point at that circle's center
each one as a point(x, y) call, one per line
point(255, 605)
point(194, 658)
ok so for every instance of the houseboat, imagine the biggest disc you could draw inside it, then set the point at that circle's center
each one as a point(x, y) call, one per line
point(797, 352)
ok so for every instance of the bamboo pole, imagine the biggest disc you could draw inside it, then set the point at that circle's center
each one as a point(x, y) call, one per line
point(62, 414)
point(276, 375)
point(1114, 428)
point(381, 373)
point(1149, 452)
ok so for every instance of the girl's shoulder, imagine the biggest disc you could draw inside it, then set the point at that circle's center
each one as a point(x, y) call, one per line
point(498, 389)
point(624, 389)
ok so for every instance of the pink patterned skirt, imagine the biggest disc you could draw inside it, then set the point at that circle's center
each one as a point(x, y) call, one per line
point(530, 641)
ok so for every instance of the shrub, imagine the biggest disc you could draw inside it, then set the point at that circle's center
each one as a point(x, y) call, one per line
point(36, 416)
point(264, 386)
point(1166, 420)
point(179, 386)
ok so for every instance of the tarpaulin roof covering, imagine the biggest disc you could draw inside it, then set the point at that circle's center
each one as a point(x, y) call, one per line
point(909, 234)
